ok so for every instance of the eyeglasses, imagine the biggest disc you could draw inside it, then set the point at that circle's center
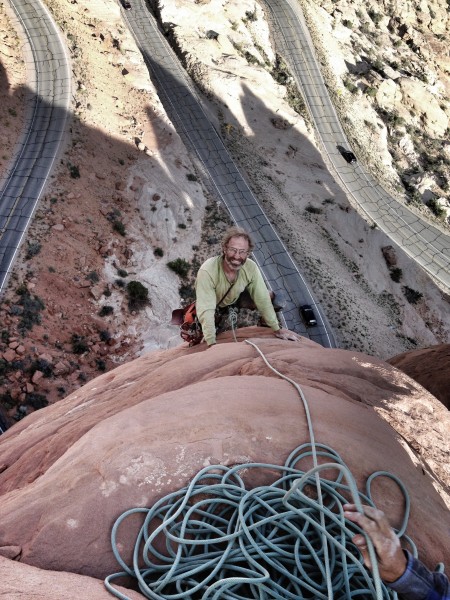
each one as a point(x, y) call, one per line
point(236, 251)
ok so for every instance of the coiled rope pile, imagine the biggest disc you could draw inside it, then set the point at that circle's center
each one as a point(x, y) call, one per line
point(214, 539)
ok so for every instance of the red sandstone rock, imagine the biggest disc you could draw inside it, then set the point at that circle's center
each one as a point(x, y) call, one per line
point(144, 429)
point(430, 367)
point(9, 355)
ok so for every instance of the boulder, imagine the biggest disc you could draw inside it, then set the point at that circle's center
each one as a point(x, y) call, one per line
point(23, 582)
point(430, 367)
point(144, 429)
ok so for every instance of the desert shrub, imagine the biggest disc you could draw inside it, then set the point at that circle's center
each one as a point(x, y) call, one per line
point(73, 170)
point(137, 295)
point(371, 91)
point(93, 277)
point(3, 366)
point(79, 344)
point(181, 225)
point(105, 311)
point(104, 335)
point(31, 308)
point(186, 292)
point(119, 227)
point(37, 401)
point(315, 210)
point(158, 251)
point(42, 365)
point(376, 17)
point(180, 266)
point(437, 210)
point(101, 365)
point(120, 283)
point(33, 249)
point(352, 88)
point(251, 15)
point(347, 23)
point(7, 401)
point(396, 274)
point(250, 58)
point(413, 296)
point(122, 273)
point(191, 177)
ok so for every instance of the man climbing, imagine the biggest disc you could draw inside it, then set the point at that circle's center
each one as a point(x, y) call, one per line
point(234, 279)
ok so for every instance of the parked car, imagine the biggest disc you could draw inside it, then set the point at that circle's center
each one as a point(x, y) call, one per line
point(126, 4)
point(307, 314)
point(347, 154)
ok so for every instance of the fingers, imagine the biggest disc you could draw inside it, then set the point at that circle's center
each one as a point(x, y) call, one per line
point(361, 543)
point(286, 334)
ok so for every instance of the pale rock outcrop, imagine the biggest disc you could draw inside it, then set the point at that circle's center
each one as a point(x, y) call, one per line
point(140, 431)
point(404, 95)
point(24, 582)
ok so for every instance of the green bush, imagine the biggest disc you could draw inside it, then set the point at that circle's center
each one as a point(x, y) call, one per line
point(104, 335)
point(93, 277)
point(73, 170)
point(137, 295)
point(437, 210)
point(33, 248)
point(179, 266)
point(42, 365)
point(396, 274)
point(79, 344)
point(37, 401)
point(411, 295)
point(158, 252)
point(315, 210)
point(30, 314)
point(119, 227)
point(101, 365)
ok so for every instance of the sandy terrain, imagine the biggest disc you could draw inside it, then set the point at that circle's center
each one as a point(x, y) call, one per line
point(134, 172)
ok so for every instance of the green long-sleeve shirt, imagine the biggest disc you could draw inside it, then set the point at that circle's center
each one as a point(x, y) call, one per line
point(212, 284)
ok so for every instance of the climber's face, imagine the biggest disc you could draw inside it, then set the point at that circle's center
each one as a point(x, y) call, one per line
point(235, 253)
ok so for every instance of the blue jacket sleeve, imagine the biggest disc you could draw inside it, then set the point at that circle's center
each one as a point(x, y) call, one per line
point(419, 583)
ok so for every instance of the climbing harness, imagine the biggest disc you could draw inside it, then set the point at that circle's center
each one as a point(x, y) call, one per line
point(217, 540)
point(190, 326)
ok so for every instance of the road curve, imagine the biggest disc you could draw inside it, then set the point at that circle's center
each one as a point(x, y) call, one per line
point(46, 120)
point(424, 243)
point(183, 105)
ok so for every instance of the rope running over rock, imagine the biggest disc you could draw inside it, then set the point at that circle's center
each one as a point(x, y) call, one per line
point(215, 540)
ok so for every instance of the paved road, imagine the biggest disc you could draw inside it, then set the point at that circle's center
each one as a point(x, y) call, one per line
point(184, 107)
point(424, 243)
point(47, 113)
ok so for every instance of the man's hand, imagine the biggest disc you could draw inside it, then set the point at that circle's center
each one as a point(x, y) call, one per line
point(286, 334)
point(392, 560)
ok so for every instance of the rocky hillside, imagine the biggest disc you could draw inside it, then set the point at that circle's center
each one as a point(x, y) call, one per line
point(390, 78)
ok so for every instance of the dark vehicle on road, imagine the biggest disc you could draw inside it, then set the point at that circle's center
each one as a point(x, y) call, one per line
point(126, 4)
point(307, 314)
point(347, 154)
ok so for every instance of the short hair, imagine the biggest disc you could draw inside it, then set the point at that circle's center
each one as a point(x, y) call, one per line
point(235, 231)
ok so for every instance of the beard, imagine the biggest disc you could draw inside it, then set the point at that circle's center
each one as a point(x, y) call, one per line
point(235, 262)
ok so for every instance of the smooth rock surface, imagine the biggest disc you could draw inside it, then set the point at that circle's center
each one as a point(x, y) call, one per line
point(144, 429)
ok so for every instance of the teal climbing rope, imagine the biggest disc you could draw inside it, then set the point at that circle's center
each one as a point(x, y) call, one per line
point(217, 540)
